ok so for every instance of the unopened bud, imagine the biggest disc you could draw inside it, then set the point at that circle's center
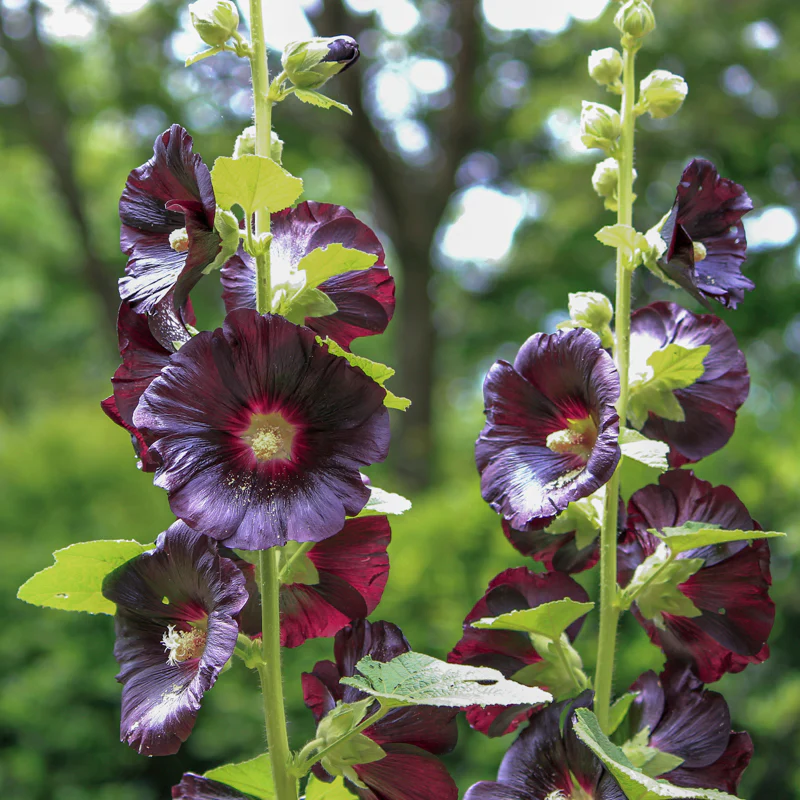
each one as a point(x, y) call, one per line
point(605, 66)
point(606, 177)
point(662, 93)
point(246, 145)
point(591, 310)
point(600, 125)
point(635, 18)
point(214, 20)
point(310, 63)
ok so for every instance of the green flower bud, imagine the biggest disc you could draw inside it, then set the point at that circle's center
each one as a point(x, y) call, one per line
point(590, 310)
point(246, 145)
point(600, 125)
point(309, 64)
point(662, 93)
point(635, 19)
point(606, 177)
point(214, 20)
point(605, 66)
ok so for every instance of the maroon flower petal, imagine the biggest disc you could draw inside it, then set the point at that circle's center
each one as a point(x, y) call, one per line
point(724, 774)
point(171, 191)
point(364, 298)
point(196, 787)
point(710, 404)
point(509, 651)
point(555, 379)
point(708, 210)
point(262, 383)
point(731, 590)
point(181, 586)
point(406, 773)
point(558, 552)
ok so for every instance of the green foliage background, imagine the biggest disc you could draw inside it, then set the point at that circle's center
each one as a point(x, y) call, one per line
point(67, 474)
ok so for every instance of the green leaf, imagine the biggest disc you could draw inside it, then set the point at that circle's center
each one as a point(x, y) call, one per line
point(307, 303)
point(382, 502)
point(634, 783)
point(318, 790)
point(380, 373)
point(75, 581)
point(253, 777)
point(584, 517)
point(693, 535)
point(414, 679)
point(549, 619)
point(649, 452)
point(619, 710)
point(623, 237)
point(334, 259)
point(560, 670)
point(255, 183)
point(673, 367)
point(320, 100)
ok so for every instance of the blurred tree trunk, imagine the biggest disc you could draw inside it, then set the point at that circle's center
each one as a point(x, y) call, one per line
point(411, 203)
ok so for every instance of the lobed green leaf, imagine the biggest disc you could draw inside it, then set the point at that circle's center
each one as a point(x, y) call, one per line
point(690, 536)
point(383, 502)
point(253, 777)
point(256, 183)
point(549, 619)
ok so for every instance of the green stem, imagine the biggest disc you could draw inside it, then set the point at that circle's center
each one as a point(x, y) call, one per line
point(609, 605)
point(578, 678)
point(263, 122)
point(271, 677)
point(287, 567)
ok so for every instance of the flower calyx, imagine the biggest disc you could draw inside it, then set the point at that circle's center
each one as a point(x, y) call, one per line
point(310, 63)
point(601, 126)
point(661, 94)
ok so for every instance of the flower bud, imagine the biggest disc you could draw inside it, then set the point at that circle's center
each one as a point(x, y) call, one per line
point(635, 18)
point(214, 20)
point(591, 310)
point(246, 145)
point(600, 125)
point(606, 177)
point(662, 93)
point(605, 66)
point(310, 63)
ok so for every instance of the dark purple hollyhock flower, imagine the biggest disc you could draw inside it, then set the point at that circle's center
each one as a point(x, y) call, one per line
point(143, 358)
point(676, 715)
point(510, 651)
point(557, 551)
point(548, 761)
point(167, 211)
point(364, 298)
point(731, 590)
point(710, 404)
point(350, 571)
point(704, 234)
point(175, 631)
point(409, 736)
point(260, 433)
point(196, 787)
point(551, 427)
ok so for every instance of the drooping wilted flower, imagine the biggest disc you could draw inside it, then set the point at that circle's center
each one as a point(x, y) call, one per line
point(510, 651)
point(549, 762)
point(167, 211)
point(730, 591)
point(551, 433)
point(337, 581)
point(409, 736)
point(175, 631)
point(705, 238)
point(674, 714)
point(710, 403)
point(260, 433)
point(364, 298)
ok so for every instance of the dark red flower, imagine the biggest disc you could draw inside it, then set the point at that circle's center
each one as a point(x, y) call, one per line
point(365, 298)
point(167, 211)
point(557, 551)
point(731, 590)
point(551, 427)
point(710, 404)
point(351, 569)
point(260, 433)
point(409, 736)
point(510, 651)
point(175, 632)
point(548, 761)
point(704, 234)
point(684, 719)
point(196, 787)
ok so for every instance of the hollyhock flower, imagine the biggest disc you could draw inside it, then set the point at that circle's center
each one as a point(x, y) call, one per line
point(705, 238)
point(196, 787)
point(710, 404)
point(175, 631)
point(260, 433)
point(731, 589)
point(410, 736)
point(510, 651)
point(364, 298)
point(675, 714)
point(143, 358)
point(167, 211)
point(549, 761)
point(558, 552)
point(551, 427)
point(325, 588)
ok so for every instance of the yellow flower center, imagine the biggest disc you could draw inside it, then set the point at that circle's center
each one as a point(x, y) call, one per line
point(270, 436)
point(183, 645)
point(577, 438)
point(700, 251)
point(179, 240)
